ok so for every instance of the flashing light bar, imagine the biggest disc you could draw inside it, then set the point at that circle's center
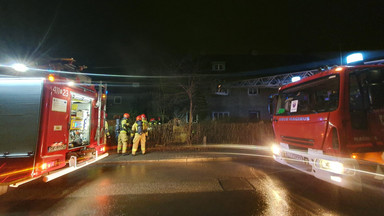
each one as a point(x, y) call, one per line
point(19, 67)
point(295, 78)
point(355, 57)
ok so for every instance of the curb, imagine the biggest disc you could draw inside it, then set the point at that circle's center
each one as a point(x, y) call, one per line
point(176, 160)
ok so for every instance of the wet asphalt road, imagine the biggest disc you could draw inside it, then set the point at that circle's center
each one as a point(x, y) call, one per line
point(245, 186)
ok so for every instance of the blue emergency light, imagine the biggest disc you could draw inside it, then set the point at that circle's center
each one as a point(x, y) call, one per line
point(295, 79)
point(355, 57)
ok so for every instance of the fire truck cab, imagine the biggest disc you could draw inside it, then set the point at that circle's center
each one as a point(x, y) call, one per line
point(331, 125)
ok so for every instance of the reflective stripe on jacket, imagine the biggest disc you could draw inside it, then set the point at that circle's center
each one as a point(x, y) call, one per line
point(124, 125)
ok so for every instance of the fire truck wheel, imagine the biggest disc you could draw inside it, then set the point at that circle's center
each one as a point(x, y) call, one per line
point(3, 189)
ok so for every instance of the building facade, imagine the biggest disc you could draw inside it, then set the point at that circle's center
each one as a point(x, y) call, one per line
point(240, 103)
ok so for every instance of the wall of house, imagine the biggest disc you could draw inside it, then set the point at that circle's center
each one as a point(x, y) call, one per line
point(132, 103)
point(240, 104)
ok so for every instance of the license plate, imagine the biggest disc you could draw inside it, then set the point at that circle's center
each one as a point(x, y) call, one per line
point(298, 161)
point(294, 156)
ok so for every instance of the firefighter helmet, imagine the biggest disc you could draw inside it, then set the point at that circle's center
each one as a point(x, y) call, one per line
point(126, 115)
point(152, 119)
point(138, 118)
point(143, 116)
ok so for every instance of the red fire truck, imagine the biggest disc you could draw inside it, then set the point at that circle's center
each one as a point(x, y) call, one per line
point(49, 126)
point(331, 125)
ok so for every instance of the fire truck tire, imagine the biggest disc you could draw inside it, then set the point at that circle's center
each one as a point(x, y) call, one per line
point(3, 189)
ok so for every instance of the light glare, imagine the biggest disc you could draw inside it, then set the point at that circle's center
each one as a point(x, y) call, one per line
point(336, 178)
point(295, 78)
point(332, 166)
point(275, 149)
point(19, 67)
point(51, 78)
point(355, 57)
point(339, 69)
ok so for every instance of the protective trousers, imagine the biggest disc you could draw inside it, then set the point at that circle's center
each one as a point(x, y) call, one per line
point(122, 142)
point(139, 138)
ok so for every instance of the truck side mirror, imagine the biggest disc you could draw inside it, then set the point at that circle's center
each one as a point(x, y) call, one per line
point(272, 104)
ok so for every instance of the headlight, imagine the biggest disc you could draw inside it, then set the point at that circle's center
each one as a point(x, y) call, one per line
point(332, 166)
point(275, 149)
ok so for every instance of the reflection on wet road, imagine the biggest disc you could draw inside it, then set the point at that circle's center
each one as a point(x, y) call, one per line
point(247, 186)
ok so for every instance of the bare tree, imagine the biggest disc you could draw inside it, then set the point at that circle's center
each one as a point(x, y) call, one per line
point(189, 88)
point(187, 69)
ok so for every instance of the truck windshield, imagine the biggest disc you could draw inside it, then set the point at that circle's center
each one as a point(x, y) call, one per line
point(320, 95)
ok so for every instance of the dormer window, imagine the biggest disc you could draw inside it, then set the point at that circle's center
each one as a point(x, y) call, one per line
point(253, 91)
point(218, 66)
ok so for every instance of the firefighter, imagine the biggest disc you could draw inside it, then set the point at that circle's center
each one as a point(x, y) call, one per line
point(123, 135)
point(152, 124)
point(106, 133)
point(117, 129)
point(145, 126)
point(139, 135)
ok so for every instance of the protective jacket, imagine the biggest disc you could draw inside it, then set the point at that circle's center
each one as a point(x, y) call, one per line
point(138, 127)
point(145, 127)
point(124, 126)
point(106, 128)
point(139, 130)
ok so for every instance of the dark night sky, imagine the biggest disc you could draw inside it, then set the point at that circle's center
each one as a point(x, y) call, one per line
point(126, 36)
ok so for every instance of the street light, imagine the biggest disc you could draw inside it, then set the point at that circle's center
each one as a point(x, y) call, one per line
point(19, 67)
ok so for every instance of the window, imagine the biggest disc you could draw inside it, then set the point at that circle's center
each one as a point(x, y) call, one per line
point(218, 66)
point(117, 100)
point(253, 91)
point(254, 115)
point(365, 90)
point(320, 95)
point(219, 115)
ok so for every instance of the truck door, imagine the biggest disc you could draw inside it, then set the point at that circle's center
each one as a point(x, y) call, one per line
point(20, 107)
point(366, 109)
